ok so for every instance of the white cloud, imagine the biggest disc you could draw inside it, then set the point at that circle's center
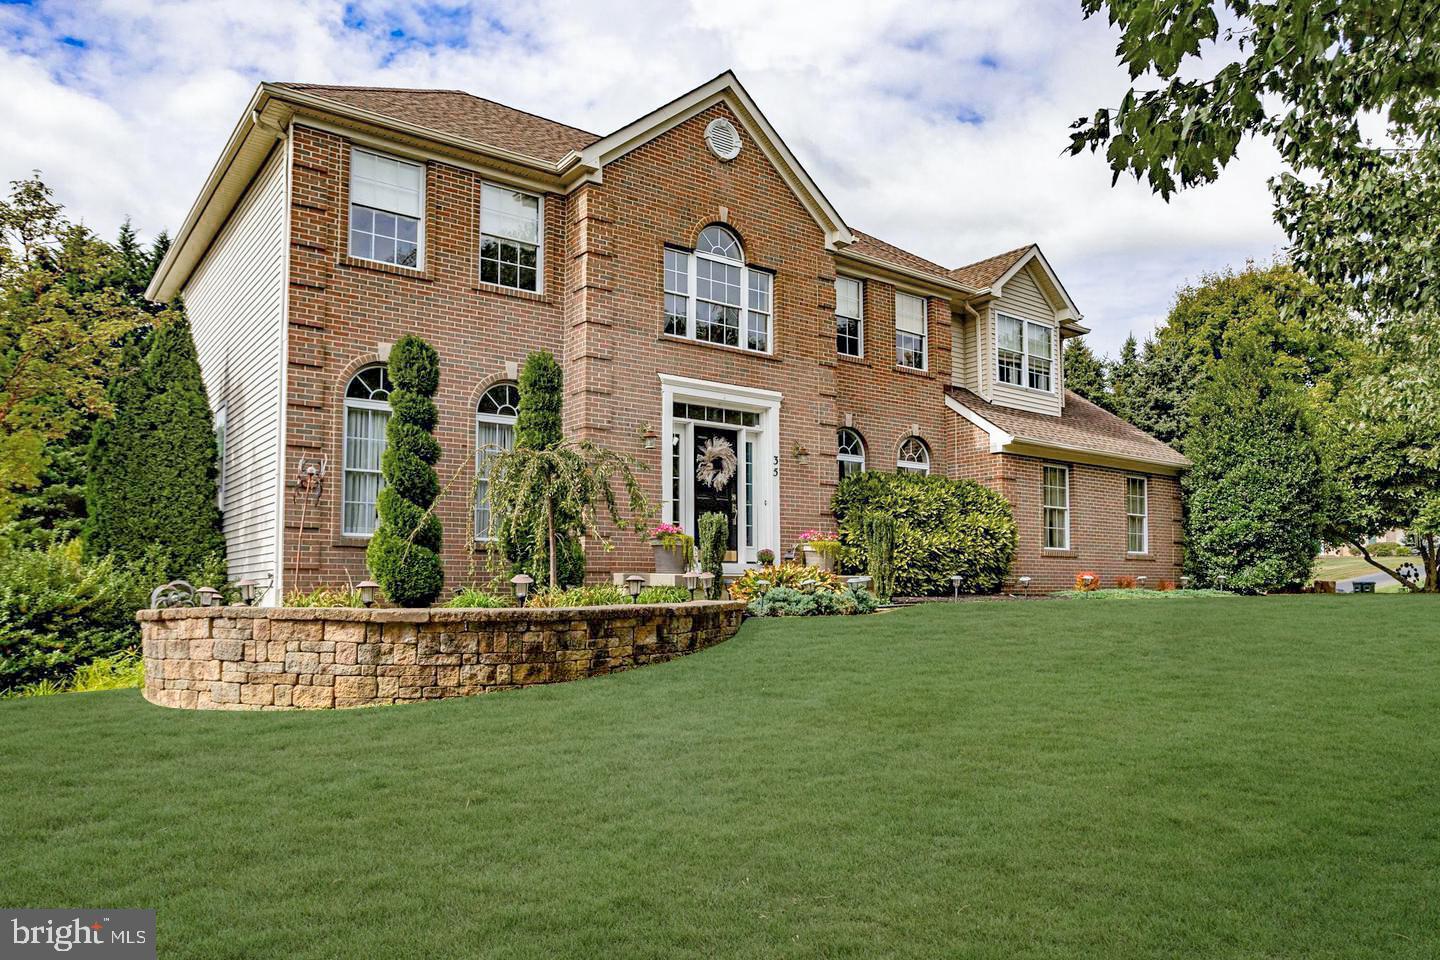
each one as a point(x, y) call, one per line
point(870, 95)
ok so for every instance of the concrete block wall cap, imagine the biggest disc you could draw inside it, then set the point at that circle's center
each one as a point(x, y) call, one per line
point(400, 615)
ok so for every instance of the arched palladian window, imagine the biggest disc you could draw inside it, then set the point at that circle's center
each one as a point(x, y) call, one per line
point(914, 456)
point(852, 453)
point(367, 411)
point(712, 296)
point(494, 433)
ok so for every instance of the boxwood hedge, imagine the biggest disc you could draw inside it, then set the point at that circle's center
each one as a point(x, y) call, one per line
point(944, 528)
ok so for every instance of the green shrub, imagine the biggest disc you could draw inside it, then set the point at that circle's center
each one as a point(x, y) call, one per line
point(325, 597)
point(878, 531)
point(539, 422)
point(120, 671)
point(597, 595)
point(663, 595)
point(789, 602)
point(755, 582)
point(714, 528)
point(943, 528)
point(59, 611)
point(403, 554)
point(1384, 549)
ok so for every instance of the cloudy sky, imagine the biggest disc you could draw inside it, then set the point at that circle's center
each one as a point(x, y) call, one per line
point(124, 105)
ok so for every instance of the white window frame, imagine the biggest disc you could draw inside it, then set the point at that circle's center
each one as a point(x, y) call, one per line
point(482, 451)
point(693, 255)
point(355, 403)
point(912, 466)
point(859, 317)
point(1143, 516)
point(924, 337)
point(1045, 508)
point(1025, 354)
point(350, 209)
point(842, 457)
point(539, 243)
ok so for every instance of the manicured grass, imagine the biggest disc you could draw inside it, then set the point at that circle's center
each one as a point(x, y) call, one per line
point(1343, 568)
point(1246, 778)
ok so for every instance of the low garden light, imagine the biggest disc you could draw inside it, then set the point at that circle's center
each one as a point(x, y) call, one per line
point(520, 583)
point(1087, 579)
point(367, 590)
point(1220, 582)
point(1140, 582)
point(691, 579)
point(1024, 583)
point(955, 584)
point(705, 578)
point(858, 583)
point(247, 591)
point(209, 597)
point(634, 584)
point(1184, 583)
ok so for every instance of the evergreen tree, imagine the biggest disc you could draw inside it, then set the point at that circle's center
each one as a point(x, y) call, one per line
point(539, 425)
point(404, 553)
point(1125, 377)
point(1085, 372)
point(151, 491)
point(1159, 401)
point(1254, 500)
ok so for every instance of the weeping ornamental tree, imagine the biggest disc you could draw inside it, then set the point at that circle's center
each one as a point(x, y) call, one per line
point(404, 553)
point(152, 489)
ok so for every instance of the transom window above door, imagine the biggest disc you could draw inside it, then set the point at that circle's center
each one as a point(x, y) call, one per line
point(711, 295)
point(510, 238)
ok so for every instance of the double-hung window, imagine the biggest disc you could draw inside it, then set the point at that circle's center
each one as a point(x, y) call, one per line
point(387, 200)
point(1025, 353)
point(910, 331)
point(1137, 515)
point(367, 412)
point(849, 317)
point(711, 295)
point(1056, 498)
point(509, 238)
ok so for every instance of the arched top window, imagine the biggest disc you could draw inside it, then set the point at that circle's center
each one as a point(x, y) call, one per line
point(501, 400)
point(914, 456)
point(372, 383)
point(851, 455)
point(717, 241)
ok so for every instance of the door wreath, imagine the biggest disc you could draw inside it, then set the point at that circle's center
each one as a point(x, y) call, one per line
point(715, 463)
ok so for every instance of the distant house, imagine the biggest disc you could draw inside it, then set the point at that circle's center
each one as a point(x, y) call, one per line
point(698, 287)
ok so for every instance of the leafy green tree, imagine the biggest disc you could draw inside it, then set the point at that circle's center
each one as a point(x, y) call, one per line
point(404, 552)
point(1085, 373)
point(152, 491)
point(1254, 496)
point(60, 324)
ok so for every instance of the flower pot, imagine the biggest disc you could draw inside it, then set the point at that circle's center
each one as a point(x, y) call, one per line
point(814, 558)
point(667, 559)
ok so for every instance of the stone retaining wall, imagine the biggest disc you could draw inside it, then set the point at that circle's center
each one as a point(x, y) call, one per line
point(248, 658)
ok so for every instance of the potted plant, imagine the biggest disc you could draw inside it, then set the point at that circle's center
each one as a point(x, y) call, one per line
point(820, 549)
point(765, 557)
point(674, 548)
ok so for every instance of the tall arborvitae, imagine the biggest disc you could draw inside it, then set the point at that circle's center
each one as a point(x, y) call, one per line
point(151, 492)
point(404, 553)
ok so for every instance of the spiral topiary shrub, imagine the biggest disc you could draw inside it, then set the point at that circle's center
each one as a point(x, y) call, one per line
point(404, 553)
point(943, 528)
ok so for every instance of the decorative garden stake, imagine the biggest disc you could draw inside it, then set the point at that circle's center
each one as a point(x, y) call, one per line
point(176, 593)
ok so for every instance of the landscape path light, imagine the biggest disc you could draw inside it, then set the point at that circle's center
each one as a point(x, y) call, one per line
point(691, 578)
point(208, 596)
point(367, 590)
point(520, 583)
point(634, 583)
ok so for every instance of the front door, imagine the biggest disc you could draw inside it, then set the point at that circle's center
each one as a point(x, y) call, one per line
point(717, 477)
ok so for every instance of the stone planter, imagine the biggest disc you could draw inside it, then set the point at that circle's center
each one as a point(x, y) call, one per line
point(667, 559)
point(814, 558)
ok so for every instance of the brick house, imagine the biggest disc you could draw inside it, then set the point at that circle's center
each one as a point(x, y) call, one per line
point(698, 288)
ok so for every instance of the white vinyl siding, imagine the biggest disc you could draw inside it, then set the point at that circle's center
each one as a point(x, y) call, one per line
point(1056, 500)
point(1023, 300)
point(1137, 515)
point(962, 355)
point(235, 302)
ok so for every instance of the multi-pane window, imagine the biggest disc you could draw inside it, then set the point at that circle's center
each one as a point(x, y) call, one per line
point(677, 291)
point(849, 317)
point(387, 197)
point(914, 456)
point(910, 331)
point(367, 411)
point(1056, 498)
point(712, 296)
point(494, 434)
point(1025, 353)
point(509, 238)
point(851, 455)
point(1137, 515)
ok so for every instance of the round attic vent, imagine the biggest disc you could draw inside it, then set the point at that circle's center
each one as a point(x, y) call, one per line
point(723, 139)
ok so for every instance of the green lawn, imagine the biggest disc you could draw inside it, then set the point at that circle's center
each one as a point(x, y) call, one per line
point(1247, 778)
point(1343, 568)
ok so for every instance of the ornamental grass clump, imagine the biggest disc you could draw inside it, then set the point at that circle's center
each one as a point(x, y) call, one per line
point(404, 553)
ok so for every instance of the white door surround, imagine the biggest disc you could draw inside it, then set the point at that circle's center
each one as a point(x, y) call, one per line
point(759, 486)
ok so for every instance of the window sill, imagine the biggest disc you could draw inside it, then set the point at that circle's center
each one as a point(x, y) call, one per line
point(859, 361)
point(354, 542)
point(360, 263)
point(706, 345)
point(914, 372)
point(1069, 553)
point(498, 290)
point(1145, 557)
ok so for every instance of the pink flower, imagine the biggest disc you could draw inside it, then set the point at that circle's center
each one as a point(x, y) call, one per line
point(810, 536)
point(666, 529)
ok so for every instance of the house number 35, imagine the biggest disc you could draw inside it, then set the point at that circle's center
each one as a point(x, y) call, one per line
point(776, 472)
